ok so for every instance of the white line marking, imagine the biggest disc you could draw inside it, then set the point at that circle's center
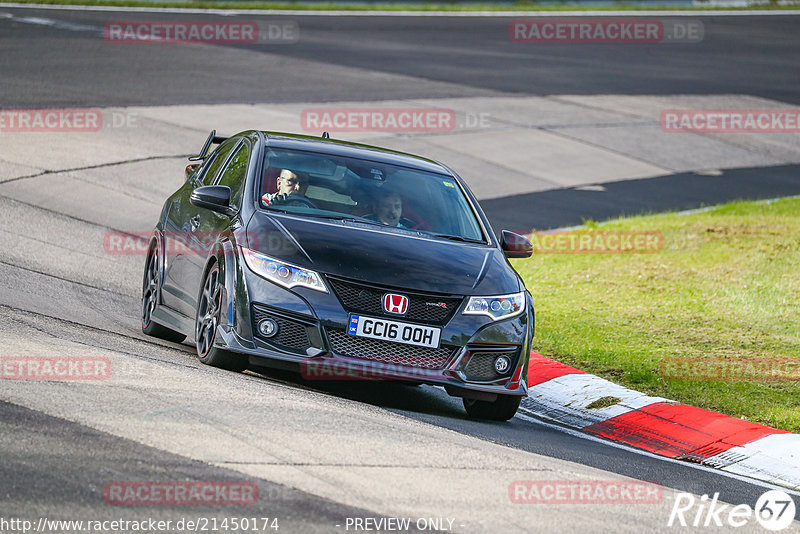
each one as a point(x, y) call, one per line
point(670, 213)
point(61, 25)
point(300, 13)
point(579, 434)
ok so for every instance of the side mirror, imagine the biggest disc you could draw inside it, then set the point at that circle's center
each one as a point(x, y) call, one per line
point(515, 246)
point(191, 169)
point(215, 198)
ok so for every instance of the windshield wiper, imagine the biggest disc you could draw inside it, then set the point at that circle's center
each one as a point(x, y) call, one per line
point(458, 238)
point(351, 219)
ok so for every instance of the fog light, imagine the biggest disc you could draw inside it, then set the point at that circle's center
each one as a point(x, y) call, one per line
point(268, 328)
point(501, 365)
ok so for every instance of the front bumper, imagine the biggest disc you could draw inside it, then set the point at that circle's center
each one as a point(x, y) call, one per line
point(312, 337)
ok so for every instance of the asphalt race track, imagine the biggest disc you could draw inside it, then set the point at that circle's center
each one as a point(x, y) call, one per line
point(437, 56)
point(322, 453)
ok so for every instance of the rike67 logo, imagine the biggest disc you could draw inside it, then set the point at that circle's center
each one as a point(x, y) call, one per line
point(774, 511)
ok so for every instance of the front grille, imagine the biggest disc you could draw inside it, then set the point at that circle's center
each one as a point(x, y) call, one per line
point(388, 352)
point(480, 366)
point(425, 308)
point(291, 334)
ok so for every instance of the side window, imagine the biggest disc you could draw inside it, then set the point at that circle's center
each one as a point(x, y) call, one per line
point(219, 158)
point(235, 173)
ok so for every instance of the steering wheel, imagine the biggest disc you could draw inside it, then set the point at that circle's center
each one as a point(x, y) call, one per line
point(297, 199)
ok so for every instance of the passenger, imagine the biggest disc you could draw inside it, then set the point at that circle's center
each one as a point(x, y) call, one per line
point(389, 210)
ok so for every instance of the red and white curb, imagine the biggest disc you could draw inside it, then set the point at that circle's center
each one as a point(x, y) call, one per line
point(591, 404)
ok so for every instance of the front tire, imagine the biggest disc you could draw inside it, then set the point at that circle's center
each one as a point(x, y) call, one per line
point(206, 322)
point(502, 409)
point(150, 291)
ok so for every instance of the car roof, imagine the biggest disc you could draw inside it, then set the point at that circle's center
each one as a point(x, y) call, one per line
point(354, 150)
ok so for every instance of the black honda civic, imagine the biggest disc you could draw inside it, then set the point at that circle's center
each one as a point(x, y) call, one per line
point(343, 261)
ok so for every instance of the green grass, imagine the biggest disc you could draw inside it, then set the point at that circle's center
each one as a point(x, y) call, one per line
point(726, 285)
point(392, 6)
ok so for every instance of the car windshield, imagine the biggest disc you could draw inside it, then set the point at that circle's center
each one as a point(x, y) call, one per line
point(375, 193)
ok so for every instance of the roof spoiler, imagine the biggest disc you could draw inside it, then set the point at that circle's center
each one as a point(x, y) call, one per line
point(214, 139)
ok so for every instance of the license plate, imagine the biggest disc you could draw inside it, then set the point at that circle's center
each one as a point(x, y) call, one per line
point(399, 332)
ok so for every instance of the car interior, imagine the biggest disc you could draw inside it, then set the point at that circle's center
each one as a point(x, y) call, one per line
point(349, 187)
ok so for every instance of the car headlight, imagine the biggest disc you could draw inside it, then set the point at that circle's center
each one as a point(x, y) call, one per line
point(282, 273)
point(500, 307)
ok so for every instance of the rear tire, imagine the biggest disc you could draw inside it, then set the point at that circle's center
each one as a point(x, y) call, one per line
point(206, 322)
point(151, 286)
point(501, 409)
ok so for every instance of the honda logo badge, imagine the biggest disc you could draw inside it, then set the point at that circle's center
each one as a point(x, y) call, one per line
point(395, 304)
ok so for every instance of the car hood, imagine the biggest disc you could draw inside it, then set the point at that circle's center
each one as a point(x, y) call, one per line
point(365, 253)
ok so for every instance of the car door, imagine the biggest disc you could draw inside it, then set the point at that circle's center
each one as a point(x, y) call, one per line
point(184, 239)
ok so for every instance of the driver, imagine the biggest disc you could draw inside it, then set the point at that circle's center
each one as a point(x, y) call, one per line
point(290, 183)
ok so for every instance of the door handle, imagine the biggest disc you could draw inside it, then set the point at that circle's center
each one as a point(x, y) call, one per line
point(195, 222)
